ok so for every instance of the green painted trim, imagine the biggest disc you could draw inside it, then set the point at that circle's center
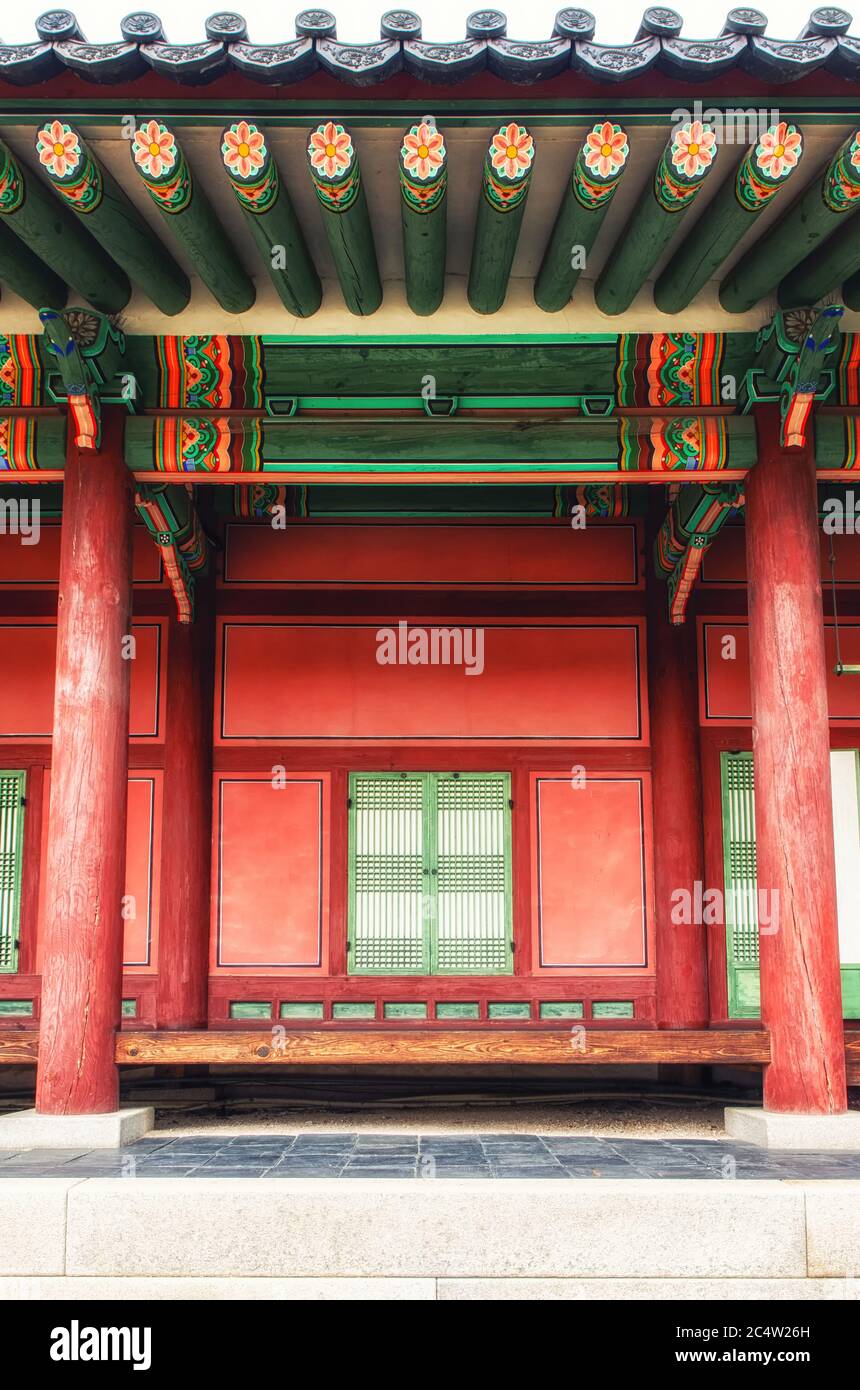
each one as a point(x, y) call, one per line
point(508, 1009)
point(129, 1008)
point(16, 1008)
point(13, 784)
point(500, 402)
point(247, 1008)
point(298, 1008)
point(559, 1009)
point(416, 339)
point(452, 1009)
point(413, 1009)
point(616, 1008)
point(351, 1009)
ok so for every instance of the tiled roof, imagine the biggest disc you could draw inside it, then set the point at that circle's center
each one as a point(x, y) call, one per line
point(743, 43)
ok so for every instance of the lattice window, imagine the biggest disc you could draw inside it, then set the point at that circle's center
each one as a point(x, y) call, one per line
point(11, 841)
point(430, 873)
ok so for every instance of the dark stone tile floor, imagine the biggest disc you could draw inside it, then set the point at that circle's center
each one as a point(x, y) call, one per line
point(363, 1155)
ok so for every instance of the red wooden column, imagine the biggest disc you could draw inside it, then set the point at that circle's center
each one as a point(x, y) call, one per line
point(681, 947)
point(183, 945)
point(82, 972)
point(800, 986)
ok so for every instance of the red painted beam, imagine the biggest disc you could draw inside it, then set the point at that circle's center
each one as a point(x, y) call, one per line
point(799, 949)
point(82, 971)
point(681, 943)
point(183, 946)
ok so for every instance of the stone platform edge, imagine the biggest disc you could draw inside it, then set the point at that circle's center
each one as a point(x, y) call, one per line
point(420, 1238)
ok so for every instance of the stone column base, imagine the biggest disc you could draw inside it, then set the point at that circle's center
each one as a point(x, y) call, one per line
point(771, 1129)
point(28, 1129)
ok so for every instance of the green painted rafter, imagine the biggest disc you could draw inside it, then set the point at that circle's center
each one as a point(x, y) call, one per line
point(53, 234)
point(157, 157)
point(270, 217)
point(505, 181)
point(95, 196)
point(597, 173)
point(423, 164)
point(812, 217)
point(763, 171)
point(336, 178)
point(684, 165)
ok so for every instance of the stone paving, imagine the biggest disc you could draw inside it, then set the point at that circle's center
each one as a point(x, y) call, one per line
point(365, 1155)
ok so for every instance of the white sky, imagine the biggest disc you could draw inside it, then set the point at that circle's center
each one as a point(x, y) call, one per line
point(358, 20)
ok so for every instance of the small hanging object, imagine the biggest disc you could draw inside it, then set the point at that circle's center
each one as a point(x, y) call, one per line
point(841, 668)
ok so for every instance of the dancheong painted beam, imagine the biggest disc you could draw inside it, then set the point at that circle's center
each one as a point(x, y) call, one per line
point(337, 181)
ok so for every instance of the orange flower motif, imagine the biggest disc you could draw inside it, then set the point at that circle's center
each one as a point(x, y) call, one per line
point(693, 149)
point(154, 149)
point(606, 149)
point(779, 150)
point(512, 150)
point(58, 149)
point(244, 149)
point(423, 150)
point(330, 149)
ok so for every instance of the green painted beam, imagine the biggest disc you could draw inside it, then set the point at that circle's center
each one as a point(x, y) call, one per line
point(505, 181)
point(271, 219)
point(597, 172)
point(684, 165)
point(95, 196)
point(51, 232)
point(336, 176)
point(23, 273)
point(158, 158)
point(764, 170)
point(423, 211)
point(812, 216)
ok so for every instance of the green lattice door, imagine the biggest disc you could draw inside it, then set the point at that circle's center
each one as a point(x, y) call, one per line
point(11, 844)
point(430, 873)
point(739, 878)
point(741, 891)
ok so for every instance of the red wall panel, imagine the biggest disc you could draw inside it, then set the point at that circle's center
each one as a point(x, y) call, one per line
point(590, 871)
point(143, 860)
point(726, 561)
point(271, 872)
point(24, 566)
point(27, 657)
point(552, 681)
point(724, 691)
point(410, 554)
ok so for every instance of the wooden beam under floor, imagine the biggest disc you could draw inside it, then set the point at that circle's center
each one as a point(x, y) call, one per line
point(378, 1047)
